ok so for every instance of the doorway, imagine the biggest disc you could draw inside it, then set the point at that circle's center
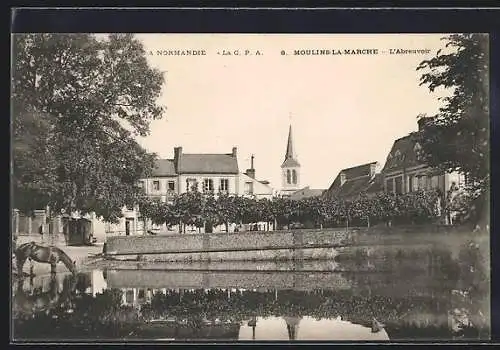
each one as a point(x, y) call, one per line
point(128, 226)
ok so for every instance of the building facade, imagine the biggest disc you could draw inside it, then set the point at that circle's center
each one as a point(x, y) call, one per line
point(206, 173)
point(405, 171)
point(253, 188)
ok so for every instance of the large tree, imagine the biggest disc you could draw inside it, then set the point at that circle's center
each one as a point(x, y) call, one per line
point(457, 137)
point(78, 101)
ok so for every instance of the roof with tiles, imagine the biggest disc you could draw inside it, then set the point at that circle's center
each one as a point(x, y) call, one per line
point(358, 179)
point(207, 164)
point(164, 167)
point(307, 192)
point(403, 154)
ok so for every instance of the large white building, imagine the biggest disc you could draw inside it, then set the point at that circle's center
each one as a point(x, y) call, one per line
point(208, 173)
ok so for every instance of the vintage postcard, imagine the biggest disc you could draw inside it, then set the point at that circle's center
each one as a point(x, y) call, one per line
point(250, 187)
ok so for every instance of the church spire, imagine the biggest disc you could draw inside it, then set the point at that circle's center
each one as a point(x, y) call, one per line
point(289, 146)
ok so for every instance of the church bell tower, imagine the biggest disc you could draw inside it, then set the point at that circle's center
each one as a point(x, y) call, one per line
point(290, 169)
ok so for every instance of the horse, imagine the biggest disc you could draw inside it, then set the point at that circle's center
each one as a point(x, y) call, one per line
point(43, 254)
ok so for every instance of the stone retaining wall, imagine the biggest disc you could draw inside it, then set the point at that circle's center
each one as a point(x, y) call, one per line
point(276, 245)
point(248, 245)
point(249, 280)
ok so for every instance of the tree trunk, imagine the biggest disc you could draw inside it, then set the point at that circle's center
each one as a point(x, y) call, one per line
point(51, 228)
point(227, 226)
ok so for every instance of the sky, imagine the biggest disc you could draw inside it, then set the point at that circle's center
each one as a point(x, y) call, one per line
point(345, 110)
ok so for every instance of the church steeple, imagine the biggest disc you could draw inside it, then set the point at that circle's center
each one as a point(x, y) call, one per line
point(289, 146)
point(290, 168)
point(290, 156)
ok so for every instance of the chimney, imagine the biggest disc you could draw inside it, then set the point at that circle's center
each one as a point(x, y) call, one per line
point(177, 157)
point(342, 179)
point(234, 152)
point(251, 172)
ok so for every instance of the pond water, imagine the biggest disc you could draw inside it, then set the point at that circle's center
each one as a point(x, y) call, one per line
point(368, 294)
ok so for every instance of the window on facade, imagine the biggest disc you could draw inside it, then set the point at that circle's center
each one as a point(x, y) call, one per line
point(390, 185)
point(288, 177)
point(294, 176)
point(248, 187)
point(190, 184)
point(156, 185)
point(415, 180)
point(435, 182)
point(171, 185)
point(141, 184)
point(410, 183)
point(208, 185)
point(224, 185)
point(398, 181)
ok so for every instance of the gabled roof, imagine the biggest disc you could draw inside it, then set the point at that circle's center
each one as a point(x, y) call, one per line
point(164, 167)
point(352, 173)
point(356, 171)
point(357, 179)
point(351, 187)
point(307, 192)
point(207, 164)
point(403, 154)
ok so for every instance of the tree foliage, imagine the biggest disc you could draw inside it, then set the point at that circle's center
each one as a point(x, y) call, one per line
point(78, 100)
point(457, 137)
point(194, 209)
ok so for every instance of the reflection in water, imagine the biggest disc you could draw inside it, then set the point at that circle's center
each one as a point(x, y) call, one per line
point(308, 328)
point(427, 295)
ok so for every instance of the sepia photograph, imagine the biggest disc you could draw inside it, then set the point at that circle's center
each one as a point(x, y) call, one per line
point(250, 187)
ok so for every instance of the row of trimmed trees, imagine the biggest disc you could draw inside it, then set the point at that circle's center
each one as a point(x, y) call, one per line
point(199, 210)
